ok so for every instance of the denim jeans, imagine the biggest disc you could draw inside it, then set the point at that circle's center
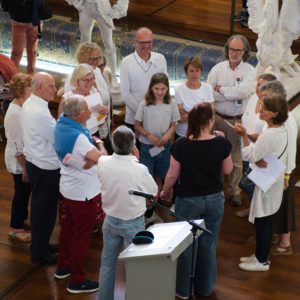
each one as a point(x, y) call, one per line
point(116, 232)
point(211, 209)
point(157, 165)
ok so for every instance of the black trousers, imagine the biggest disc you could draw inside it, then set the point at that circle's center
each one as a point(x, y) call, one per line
point(44, 200)
point(264, 232)
point(19, 206)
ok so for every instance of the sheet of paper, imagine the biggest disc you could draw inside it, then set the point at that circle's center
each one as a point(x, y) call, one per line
point(93, 100)
point(72, 161)
point(265, 177)
point(117, 112)
point(156, 150)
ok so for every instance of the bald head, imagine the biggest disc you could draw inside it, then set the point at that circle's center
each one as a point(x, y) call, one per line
point(43, 86)
point(143, 42)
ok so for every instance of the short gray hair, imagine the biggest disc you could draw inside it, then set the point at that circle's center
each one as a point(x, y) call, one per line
point(274, 87)
point(123, 140)
point(73, 105)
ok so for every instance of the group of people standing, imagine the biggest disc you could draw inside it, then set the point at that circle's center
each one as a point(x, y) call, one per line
point(68, 159)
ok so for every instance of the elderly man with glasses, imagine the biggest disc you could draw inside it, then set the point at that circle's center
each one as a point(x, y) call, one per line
point(232, 81)
point(136, 71)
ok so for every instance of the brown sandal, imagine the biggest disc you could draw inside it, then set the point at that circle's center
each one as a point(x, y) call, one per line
point(280, 250)
point(20, 235)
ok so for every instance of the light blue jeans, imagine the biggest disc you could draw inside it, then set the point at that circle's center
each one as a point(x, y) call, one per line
point(116, 233)
point(211, 209)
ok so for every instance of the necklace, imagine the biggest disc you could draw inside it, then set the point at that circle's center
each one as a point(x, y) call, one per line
point(145, 70)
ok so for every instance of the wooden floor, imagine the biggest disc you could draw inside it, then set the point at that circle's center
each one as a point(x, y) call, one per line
point(20, 280)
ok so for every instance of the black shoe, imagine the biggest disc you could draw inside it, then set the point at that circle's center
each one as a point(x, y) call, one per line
point(53, 249)
point(49, 259)
point(87, 286)
point(235, 200)
point(62, 273)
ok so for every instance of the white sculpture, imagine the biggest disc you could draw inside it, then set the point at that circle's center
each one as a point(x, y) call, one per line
point(276, 32)
point(103, 13)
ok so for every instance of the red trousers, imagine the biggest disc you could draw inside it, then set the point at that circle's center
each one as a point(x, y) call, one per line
point(24, 34)
point(76, 219)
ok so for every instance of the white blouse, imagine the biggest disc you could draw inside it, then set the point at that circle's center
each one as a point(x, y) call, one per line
point(13, 132)
point(271, 140)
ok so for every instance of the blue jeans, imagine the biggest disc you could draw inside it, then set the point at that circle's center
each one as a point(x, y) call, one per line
point(211, 209)
point(157, 165)
point(116, 233)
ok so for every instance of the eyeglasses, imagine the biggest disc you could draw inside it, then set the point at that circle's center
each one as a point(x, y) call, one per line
point(144, 43)
point(88, 80)
point(95, 58)
point(236, 50)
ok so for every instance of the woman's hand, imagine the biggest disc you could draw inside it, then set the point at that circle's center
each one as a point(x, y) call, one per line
point(286, 183)
point(154, 140)
point(103, 110)
point(135, 151)
point(219, 133)
point(163, 140)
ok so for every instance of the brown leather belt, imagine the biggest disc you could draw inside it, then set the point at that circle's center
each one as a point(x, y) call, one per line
point(238, 117)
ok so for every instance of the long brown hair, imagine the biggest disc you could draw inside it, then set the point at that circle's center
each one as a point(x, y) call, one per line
point(156, 79)
point(198, 119)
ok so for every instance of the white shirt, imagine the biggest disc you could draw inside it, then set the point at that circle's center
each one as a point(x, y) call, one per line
point(103, 88)
point(79, 184)
point(13, 133)
point(92, 121)
point(135, 75)
point(236, 86)
point(292, 130)
point(189, 98)
point(118, 174)
point(157, 118)
point(271, 140)
point(37, 133)
point(250, 119)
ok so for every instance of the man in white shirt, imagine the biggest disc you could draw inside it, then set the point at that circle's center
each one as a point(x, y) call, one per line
point(42, 165)
point(80, 192)
point(119, 173)
point(136, 71)
point(232, 81)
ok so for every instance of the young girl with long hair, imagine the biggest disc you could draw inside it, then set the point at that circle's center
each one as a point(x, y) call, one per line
point(155, 122)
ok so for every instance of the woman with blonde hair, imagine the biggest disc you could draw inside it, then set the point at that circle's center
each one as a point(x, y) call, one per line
point(90, 53)
point(20, 85)
point(83, 83)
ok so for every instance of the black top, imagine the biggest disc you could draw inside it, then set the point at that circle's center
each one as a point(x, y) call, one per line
point(200, 165)
point(23, 11)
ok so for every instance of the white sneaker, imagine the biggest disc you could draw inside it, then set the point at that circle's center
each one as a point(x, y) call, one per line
point(181, 297)
point(254, 265)
point(151, 219)
point(247, 259)
point(172, 209)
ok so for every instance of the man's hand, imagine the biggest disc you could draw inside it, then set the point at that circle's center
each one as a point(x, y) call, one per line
point(88, 164)
point(135, 151)
point(217, 88)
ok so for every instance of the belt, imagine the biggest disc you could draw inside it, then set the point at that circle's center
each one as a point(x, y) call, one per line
point(237, 117)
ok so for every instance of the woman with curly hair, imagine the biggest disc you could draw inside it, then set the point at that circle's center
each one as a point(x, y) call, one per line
point(14, 157)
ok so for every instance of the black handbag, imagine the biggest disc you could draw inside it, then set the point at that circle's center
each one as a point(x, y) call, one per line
point(45, 11)
point(246, 184)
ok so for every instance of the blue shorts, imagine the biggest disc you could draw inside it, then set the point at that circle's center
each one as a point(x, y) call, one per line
point(157, 165)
